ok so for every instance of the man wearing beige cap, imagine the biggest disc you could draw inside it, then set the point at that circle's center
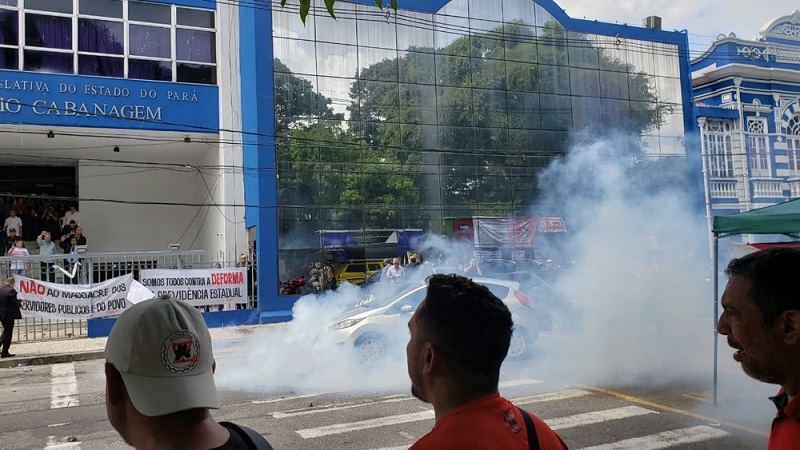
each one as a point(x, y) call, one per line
point(160, 381)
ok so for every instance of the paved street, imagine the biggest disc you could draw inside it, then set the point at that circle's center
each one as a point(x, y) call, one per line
point(61, 406)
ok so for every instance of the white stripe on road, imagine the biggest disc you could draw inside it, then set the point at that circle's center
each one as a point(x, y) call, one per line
point(560, 423)
point(364, 424)
point(284, 399)
point(521, 382)
point(666, 439)
point(503, 384)
point(63, 386)
point(550, 396)
point(52, 444)
point(539, 398)
point(658, 441)
point(338, 406)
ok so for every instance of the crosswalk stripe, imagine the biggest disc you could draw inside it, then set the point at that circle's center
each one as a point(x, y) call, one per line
point(666, 439)
point(520, 382)
point(593, 417)
point(550, 396)
point(283, 399)
point(539, 398)
point(338, 406)
point(364, 424)
point(63, 386)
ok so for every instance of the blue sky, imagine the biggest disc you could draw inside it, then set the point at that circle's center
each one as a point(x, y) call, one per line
point(704, 19)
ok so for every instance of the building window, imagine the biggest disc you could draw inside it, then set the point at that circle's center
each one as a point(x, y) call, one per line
point(719, 147)
point(757, 147)
point(101, 38)
point(793, 143)
point(109, 38)
point(9, 35)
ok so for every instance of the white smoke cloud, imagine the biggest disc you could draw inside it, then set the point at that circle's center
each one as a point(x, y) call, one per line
point(637, 260)
point(639, 266)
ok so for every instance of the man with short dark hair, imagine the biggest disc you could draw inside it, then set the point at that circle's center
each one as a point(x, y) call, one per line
point(160, 381)
point(761, 318)
point(459, 338)
point(9, 312)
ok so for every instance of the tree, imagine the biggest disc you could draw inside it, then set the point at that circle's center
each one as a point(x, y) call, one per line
point(305, 6)
point(296, 100)
point(501, 105)
point(329, 176)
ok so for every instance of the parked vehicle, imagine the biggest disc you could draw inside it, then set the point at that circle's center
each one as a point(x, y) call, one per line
point(357, 272)
point(376, 328)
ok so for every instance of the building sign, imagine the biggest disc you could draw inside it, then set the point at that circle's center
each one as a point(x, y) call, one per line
point(30, 98)
point(198, 287)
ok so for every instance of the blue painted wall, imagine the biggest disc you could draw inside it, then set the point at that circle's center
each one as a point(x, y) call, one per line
point(258, 128)
point(102, 327)
point(79, 101)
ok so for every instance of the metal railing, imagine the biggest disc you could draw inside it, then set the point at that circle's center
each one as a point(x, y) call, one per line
point(98, 267)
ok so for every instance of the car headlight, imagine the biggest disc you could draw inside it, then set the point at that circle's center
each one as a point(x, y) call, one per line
point(346, 324)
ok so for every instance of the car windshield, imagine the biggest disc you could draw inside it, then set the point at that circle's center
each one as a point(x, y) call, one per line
point(385, 294)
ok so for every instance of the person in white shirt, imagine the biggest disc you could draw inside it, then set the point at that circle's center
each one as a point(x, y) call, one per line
point(13, 222)
point(46, 247)
point(72, 214)
point(18, 266)
point(73, 261)
point(395, 272)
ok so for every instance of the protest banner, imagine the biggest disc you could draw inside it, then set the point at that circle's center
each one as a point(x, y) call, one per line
point(70, 301)
point(198, 287)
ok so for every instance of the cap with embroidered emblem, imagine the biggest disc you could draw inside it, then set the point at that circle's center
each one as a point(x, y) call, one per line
point(162, 349)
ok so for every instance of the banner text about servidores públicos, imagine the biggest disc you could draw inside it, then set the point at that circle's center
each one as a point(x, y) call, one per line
point(72, 301)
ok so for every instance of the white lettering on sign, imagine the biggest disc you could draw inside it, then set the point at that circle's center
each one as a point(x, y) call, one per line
point(68, 108)
point(76, 108)
point(24, 85)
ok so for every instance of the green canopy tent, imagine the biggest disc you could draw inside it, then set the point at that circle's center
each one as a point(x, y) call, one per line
point(783, 218)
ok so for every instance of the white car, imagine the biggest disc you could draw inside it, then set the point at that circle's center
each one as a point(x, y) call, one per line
point(377, 327)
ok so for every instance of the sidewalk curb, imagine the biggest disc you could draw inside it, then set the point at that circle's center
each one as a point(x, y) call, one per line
point(50, 359)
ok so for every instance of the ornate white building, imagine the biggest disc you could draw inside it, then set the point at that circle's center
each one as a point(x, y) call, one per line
point(747, 95)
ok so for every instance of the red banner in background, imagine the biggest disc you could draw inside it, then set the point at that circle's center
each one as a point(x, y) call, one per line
point(463, 229)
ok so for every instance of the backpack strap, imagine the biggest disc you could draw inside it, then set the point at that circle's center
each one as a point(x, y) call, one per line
point(533, 437)
point(254, 440)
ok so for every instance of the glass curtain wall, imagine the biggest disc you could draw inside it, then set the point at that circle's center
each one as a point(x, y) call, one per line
point(391, 121)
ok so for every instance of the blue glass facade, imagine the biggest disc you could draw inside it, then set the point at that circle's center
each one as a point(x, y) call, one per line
point(383, 120)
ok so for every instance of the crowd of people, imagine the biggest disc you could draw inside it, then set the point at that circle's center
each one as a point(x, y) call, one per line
point(52, 225)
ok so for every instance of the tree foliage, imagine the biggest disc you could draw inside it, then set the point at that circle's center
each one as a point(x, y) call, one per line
point(466, 127)
point(305, 7)
point(322, 163)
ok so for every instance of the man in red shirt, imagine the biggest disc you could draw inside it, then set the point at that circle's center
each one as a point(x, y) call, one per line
point(761, 317)
point(459, 338)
